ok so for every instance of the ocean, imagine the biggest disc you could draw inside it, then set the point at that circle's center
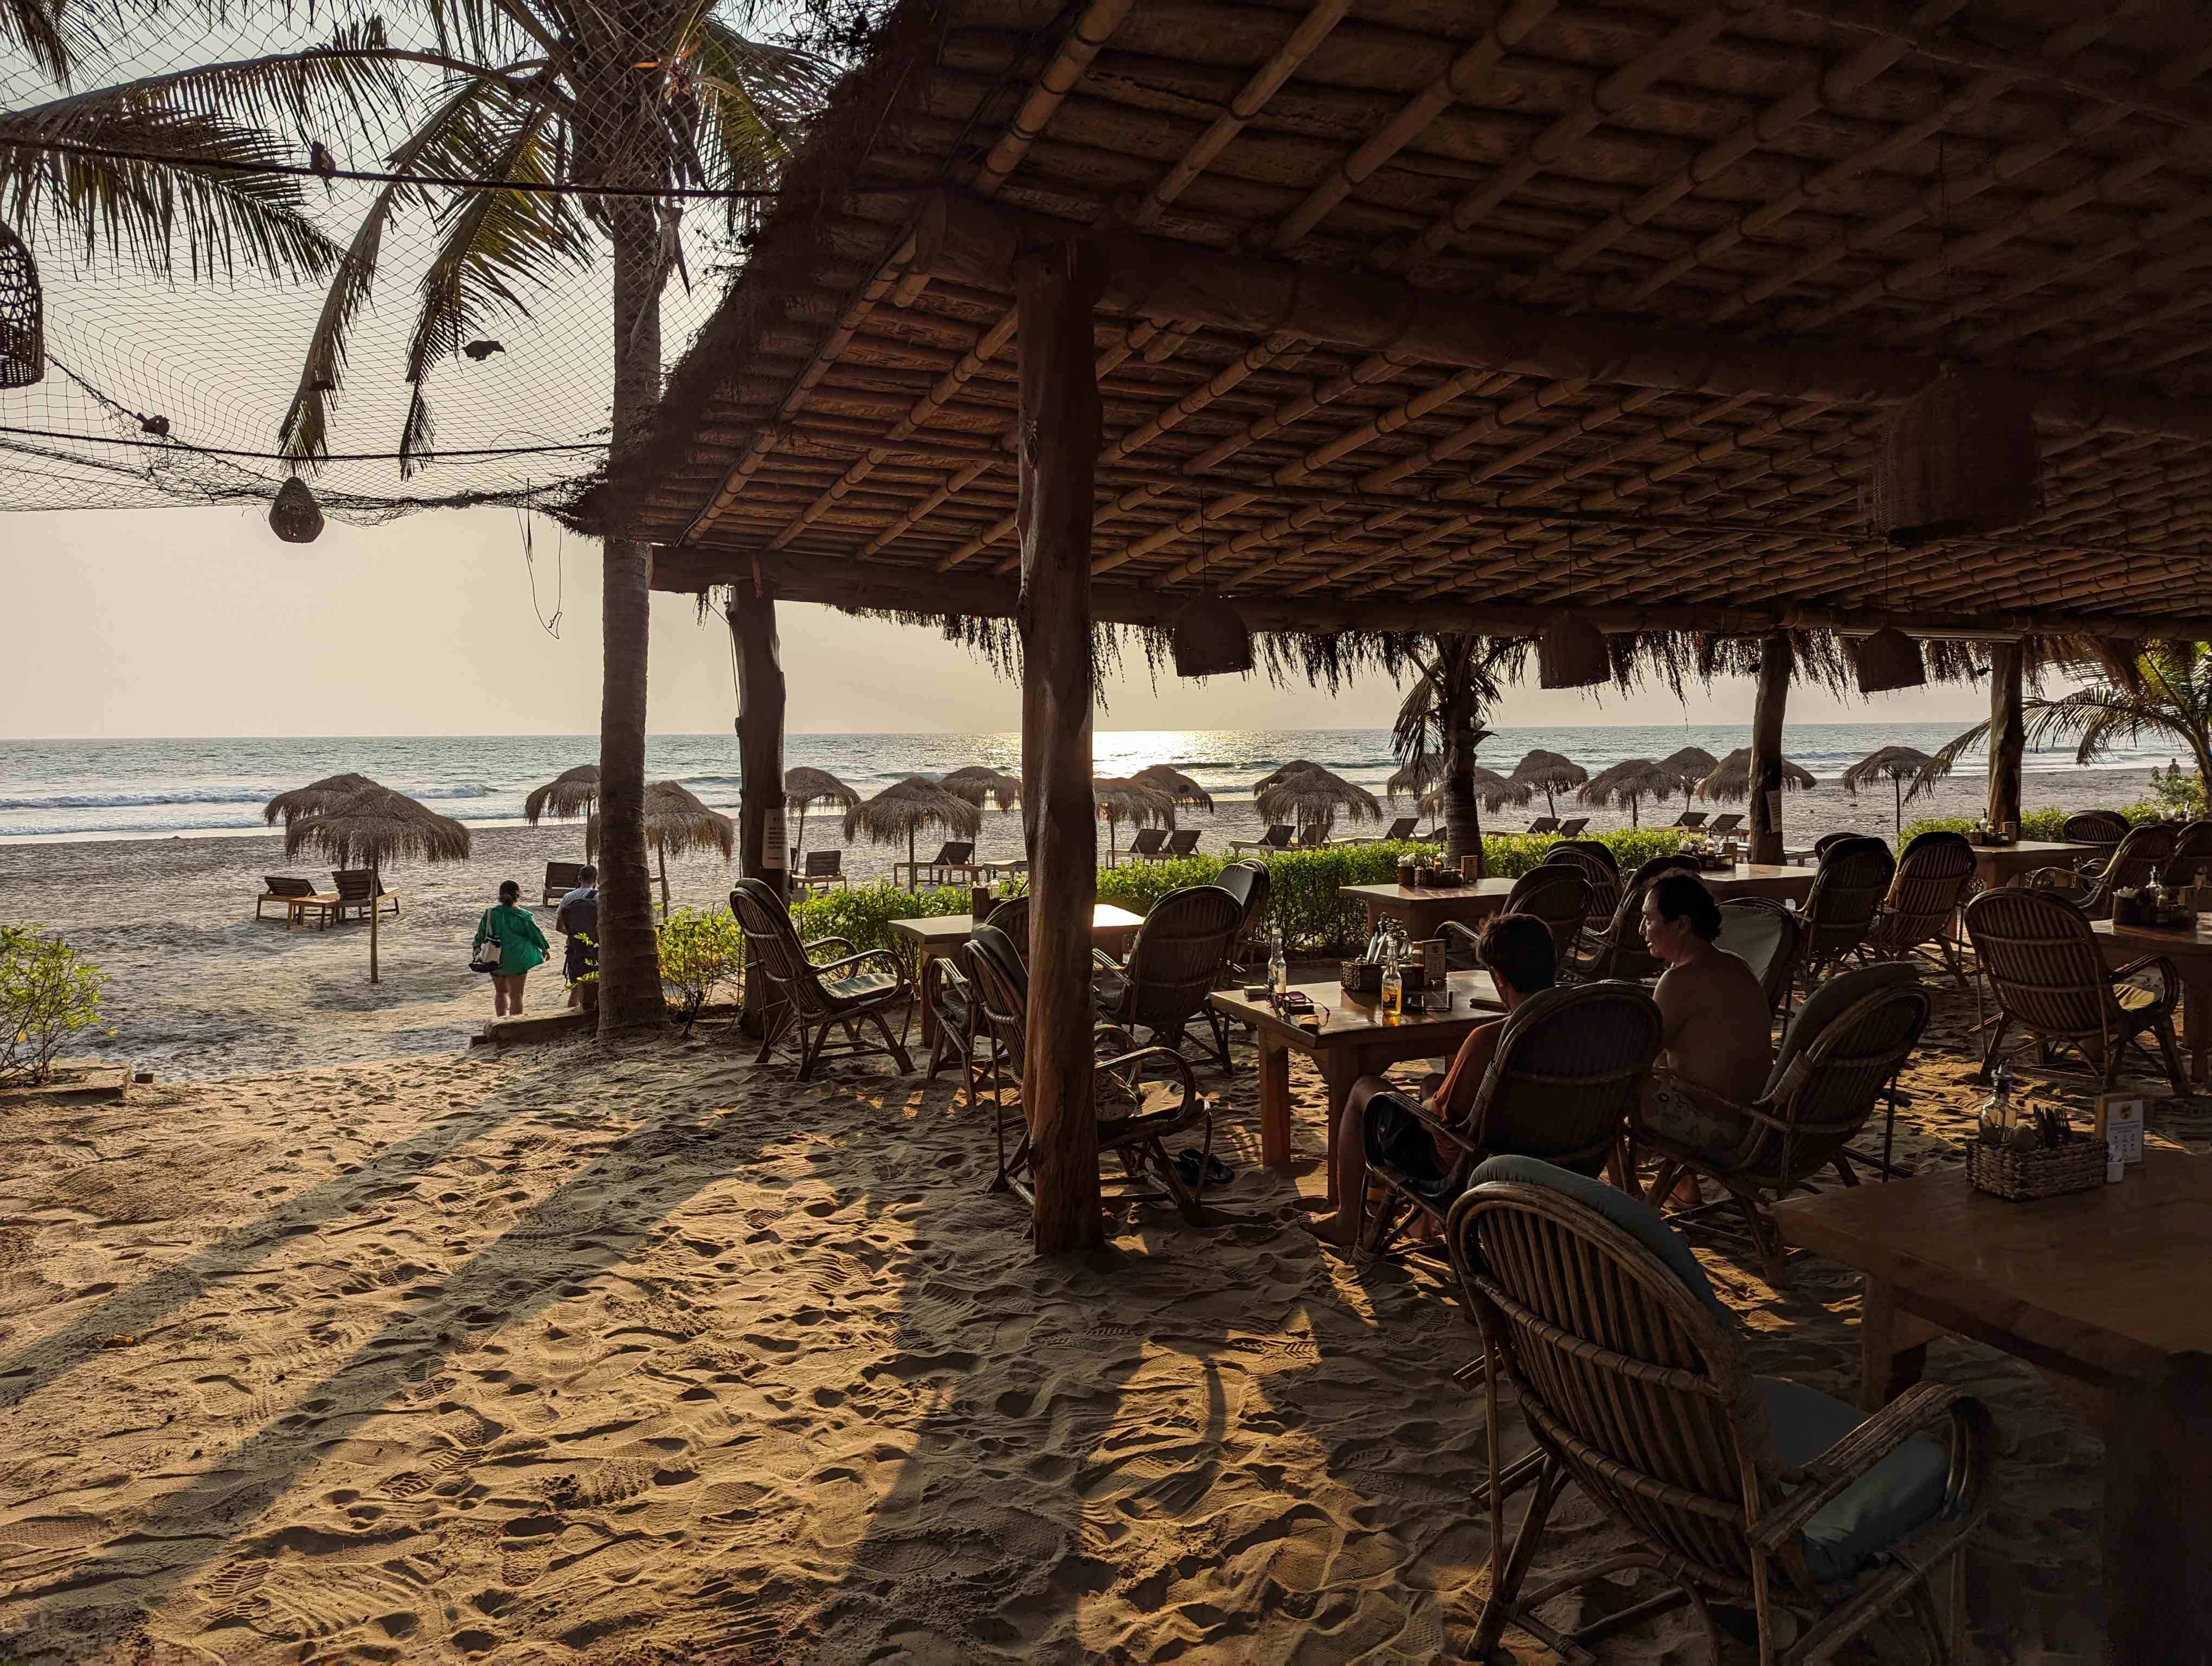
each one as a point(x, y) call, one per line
point(166, 789)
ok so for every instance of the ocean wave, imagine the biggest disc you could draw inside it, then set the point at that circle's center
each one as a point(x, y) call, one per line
point(125, 801)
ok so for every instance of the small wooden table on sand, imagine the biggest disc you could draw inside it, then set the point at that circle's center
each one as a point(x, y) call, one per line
point(1112, 928)
point(1353, 1040)
point(2190, 952)
point(2001, 864)
point(2109, 1294)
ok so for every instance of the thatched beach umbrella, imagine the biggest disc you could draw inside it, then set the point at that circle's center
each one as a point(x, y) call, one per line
point(1548, 773)
point(804, 786)
point(905, 807)
point(1688, 766)
point(979, 781)
point(571, 794)
point(371, 827)
point(313, 799)
point(1316, 795)
point(675, 820)
point(1731, 777)
point(1186, 793)
point(1137, 802)
point(1297, 766)
point(1494, 791)
point(1411, 780)
point(1630, 782)
point(1894, 763)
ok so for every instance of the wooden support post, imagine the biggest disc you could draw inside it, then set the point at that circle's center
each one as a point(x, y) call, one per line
point(1776, 661)
point(2007, 736)
point(762, 854)
point(1059, 431)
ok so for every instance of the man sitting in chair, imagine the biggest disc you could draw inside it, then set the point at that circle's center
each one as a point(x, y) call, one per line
point(1717, 1026)
point(1517, 951)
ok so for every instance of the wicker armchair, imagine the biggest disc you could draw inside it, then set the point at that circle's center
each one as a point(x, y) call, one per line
point(2190, 863)
point(1555, 893)
point(1844, 1046)
point(1931, 881)
point(950, 994)
point(2136, 861)
point(2105, 827)
point(1561, 1086)
point(1011, 916)
point(2050, 977)
point(1761, 1494)
point(1768, 938)
point(1599, 871)
point(808, 1000)
point(1616, 949)
point(1142, 1095)
point(1847, 893)
point(1173, 964)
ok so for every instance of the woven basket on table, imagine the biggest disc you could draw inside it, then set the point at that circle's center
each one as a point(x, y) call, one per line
point(2047, 1171)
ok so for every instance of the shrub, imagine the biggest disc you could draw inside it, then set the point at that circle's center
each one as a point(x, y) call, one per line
point(47, 994)
point(860, 913)
point(700, 951)
point(2033, 824)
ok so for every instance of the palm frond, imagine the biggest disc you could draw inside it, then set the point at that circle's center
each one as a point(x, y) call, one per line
point(1948, 755)
point(45, 31)
point(2095, 718)
point(752, 101)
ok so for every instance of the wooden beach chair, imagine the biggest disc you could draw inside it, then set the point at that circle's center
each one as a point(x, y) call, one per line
point(809, 999)
point(1142, 1096)
point(560, 879)
point(1146, 842)
point(1183, 842)
point(1545, 824)
point(1397, 832)
point(1314, 836)
point(1633, 1380)
point(2044, 962)
point(1277, 837)
point(1842, 1050)
point(1572, 827)
point(823, 869)
point(358, 892)
point(1173, 966)
point(300, 898)
point(1690, 820)
point(954, 863)
point(1722, 825)
point(1569, 1066)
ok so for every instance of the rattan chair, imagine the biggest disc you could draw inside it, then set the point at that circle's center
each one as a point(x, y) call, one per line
point(1842, 1050)
point(1569, 1066)
point(1173, 966)
point(2106, 827)
point(2190, 863)
point(807, 1001)
point(1011, 916)
point(1768, 938)
point(1555, 893)
point(1758, 1492)
point(1828, 842)
point(1615, 949)
point(1599, 871)
point(950, 994)
point(1848, 888)
point(1921, 908)
point(2043, 960)
point(2134, 861)
point(1248, 882)
point(1142, 1096)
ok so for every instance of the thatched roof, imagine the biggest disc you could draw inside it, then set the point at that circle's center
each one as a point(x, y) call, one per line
point(374, 827)
point(1629, 782)
point(1688, 765)
point(1548, 772)
point(1316, 794)
point(675, 822)
point(1492, 789)
point(572, 793)
point(1504, 310)
point(806, 786)
point(1137, 802)
point(1731, 777)
point(1177, 785)
point(910, 806)
point(1890, 763)
point(979, 781)
point(1276, 777)
point(315, 797)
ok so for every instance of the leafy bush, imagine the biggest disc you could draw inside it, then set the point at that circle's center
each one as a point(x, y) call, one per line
point(700, 951)
point(2034, 824)
point(47, 994)
point(2172, 793)
point(860, 913)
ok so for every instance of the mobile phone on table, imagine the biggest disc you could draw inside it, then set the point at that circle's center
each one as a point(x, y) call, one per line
point(1298, 1000)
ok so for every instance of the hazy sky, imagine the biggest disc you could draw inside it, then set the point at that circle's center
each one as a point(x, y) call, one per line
point(198, 622)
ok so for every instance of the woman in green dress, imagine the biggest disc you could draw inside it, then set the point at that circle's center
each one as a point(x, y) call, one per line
point(522, 945)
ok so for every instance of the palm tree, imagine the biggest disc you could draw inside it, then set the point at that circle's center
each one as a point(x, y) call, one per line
point(2164, 692)
point(646, 97)
point(1439, 724)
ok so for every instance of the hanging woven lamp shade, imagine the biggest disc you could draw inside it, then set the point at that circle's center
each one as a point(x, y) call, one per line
point(1571, 654)
point(1957, 457)
point(22, 315)
point(296, 516)
point(1210, 639)
point(1889, 660)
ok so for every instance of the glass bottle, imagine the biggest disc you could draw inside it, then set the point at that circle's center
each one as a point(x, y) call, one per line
point(1394, 981)
point(1279, 966)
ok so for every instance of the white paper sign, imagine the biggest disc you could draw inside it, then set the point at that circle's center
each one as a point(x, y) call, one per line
point(2122, 1121)
point(774, 853)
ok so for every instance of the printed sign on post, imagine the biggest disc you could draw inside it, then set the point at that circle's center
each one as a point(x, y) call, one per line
point(2120, 1125)
point(774, 854)
point(1774, 809)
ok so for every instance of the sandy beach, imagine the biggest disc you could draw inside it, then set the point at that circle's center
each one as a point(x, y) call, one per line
point(649, 1355)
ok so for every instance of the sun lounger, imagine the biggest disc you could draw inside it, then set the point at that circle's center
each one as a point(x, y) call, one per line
point(1277, 837)
point(954, 864)
point(1399, 830)
point(560, 879)
point(1545, 824)
point(357, 893)
point(823, 869)
point(299, 897)
point(1722, 825)
point(1146, 842)
point(1183, 842)
point(1572, 827)
point(1690, 818)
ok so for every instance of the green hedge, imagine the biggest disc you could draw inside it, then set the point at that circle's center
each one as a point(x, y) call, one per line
point(2033, 824)
point(1302, 895)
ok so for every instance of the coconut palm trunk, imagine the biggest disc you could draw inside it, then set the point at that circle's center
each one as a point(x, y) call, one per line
point(1456, 701)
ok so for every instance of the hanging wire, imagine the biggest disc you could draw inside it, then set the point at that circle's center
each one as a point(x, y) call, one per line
point(552, 626)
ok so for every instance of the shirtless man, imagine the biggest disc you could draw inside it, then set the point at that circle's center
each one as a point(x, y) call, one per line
point(1717, 1033)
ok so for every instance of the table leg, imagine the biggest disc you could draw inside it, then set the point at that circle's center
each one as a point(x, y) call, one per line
point(1890, 1360)
point(2158, 1537)
point(2197, 1018)
point(1339, 1069)
point(1274, 1102)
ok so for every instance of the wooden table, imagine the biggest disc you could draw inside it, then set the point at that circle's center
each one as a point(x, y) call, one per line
point(2001, 864)
point(1353, 1040)
point(1781, 882)
point(2190, 952)
point(1423, 909)
point(2109, 1294)
point(1112, 928)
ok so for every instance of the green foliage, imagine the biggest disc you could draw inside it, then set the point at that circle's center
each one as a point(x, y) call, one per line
point(2172, 793)
point(2033, 824)
point(700, 951)
point(47, 994)
point(860, 913)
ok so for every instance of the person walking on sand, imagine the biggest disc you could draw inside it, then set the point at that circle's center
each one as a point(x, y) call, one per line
point(577, 919)
point(522, 945)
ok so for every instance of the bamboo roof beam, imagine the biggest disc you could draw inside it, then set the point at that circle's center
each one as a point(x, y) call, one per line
point(2150, 234)
point(1466, 71)
point(1092, 31)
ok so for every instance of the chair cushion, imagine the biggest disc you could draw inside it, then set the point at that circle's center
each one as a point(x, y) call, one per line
point(860, 986)
point(1632, 1215)
point(1882, 1507)
point(2133, 998)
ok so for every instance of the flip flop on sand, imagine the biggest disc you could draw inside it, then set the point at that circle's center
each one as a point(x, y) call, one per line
point(1188, 1165)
